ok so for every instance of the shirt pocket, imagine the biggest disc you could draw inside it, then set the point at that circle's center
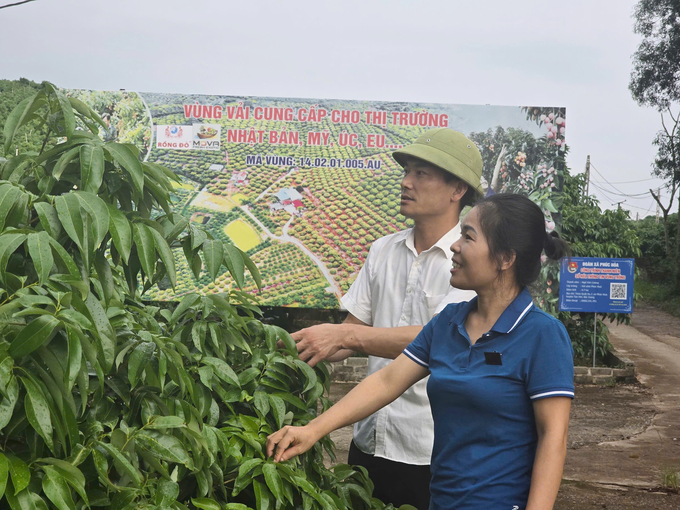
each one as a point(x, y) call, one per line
point(431, 303)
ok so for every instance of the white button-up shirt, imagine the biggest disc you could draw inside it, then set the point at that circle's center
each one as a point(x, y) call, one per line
point(398, 287)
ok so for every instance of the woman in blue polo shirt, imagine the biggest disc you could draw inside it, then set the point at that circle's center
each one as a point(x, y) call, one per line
point(501, 372)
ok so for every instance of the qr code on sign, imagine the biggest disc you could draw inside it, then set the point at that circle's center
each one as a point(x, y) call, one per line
point(618, 291)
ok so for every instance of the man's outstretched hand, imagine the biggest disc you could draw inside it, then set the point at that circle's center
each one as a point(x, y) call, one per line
point(322, 342)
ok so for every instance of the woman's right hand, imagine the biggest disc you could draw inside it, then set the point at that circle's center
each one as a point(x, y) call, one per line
point(289, 442)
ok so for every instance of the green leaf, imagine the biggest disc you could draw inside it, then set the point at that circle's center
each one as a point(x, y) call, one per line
point(71, 217)
point(105, 276)
point(18, 214)
point(128, 161)
point(106, 336)
point(121, 232)
point(71, 474)
point(167, 493)
point(66, 110)
point(166, 254)
point(187, 301)
point(122, 463)
point(198, 236)
point(91, 167)
point(138, 361)
point(213, 255)
point(263, 497)
point(75, 358)
point(64, 161)
point(4, 474)
point(287, 340)
point(33, 336)
point(222, 370)
point(8, 402)
point(19, 472)
point(165, 422)
point(245, 474)
point(273, 480)
point(49, 219)
point(57, 489)
point(25, 500)
point(310, 375)
point(206, 504)
point(198, 335)
point(8, 196)
point(254, 271)
point(145, 248)
point(278, 409)
point(19, 115)
point(69, 264)
point(164, 446)
point(98, 211)
point(15, 169)
point(38, 411)
point(235, 264)
point(41, 254)
point(8, 245)
point(261, 400)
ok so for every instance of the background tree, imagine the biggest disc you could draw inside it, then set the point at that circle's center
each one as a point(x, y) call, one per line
point(655, 82)
point(591, 232)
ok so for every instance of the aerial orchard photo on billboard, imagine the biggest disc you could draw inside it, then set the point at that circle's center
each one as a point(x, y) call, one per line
point(304, 186)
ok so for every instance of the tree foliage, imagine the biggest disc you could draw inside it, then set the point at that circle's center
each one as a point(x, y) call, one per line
point(656, 63)
point(107, 402)
point(655, 81)
point(591, 232)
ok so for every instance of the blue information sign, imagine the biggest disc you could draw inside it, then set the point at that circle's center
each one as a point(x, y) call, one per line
point(597, 285)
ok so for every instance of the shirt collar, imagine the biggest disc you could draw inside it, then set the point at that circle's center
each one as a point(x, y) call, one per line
point(509, 319)
point(443, 244)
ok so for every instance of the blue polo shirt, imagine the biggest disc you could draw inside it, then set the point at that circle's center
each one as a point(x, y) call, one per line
point(481, 398)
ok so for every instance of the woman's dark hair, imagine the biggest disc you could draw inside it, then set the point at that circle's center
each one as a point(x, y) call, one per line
point(513, 224)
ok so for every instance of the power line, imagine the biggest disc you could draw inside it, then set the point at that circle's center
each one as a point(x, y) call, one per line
point(605, 180)
point(15, 4)
point(639, 180)
point(637, 196)
point(618, 191)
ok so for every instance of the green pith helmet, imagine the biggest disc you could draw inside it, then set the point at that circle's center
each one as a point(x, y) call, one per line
point(449, 150)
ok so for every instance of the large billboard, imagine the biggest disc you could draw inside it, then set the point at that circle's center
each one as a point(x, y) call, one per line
point(304, 186)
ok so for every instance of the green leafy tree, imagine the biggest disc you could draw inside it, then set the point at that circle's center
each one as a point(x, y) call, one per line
point(655, 82)
point(108, 402)
point(591, 233)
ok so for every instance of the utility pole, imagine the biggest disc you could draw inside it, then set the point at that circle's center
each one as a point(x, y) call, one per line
point(587, 174)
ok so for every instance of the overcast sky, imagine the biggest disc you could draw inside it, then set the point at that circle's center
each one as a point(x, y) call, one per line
point(574, 53)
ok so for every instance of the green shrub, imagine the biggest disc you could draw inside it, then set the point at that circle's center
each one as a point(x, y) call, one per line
point(108, 402)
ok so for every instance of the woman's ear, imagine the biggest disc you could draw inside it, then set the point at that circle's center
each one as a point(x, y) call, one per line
point(508, 260)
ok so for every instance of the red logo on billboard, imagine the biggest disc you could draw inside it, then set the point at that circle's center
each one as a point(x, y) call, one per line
point(573, 267)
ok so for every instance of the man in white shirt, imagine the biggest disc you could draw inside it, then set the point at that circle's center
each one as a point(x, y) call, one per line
point(402, 285)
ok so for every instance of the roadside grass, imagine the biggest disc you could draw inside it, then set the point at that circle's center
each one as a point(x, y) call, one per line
point(658, 295)
point(669, 478)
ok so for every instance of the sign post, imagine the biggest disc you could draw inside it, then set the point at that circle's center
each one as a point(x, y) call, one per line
point(598, 285)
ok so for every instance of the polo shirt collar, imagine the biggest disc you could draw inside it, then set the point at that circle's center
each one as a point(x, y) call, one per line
point(514, 313)
point(509, 319)
point(443, 244)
